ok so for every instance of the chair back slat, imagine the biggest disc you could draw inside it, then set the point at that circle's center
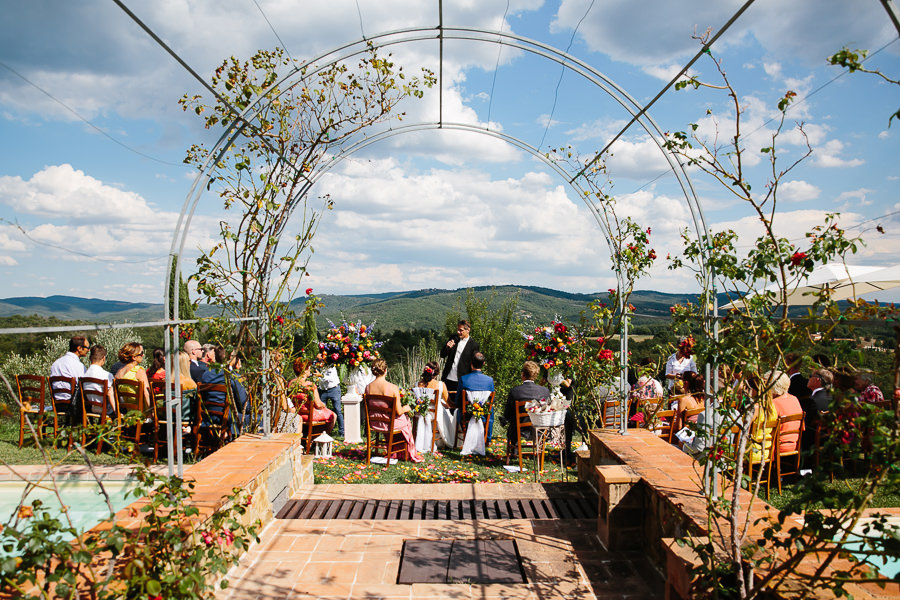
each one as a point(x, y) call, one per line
point(62, 391)
point(380, 417)
point(32, 391)
point(94, 397)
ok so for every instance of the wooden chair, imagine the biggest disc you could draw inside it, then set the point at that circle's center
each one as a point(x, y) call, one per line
point(608, 412)
point(62, 391)
point(462, 423)
point(688, 415)
point(158, 398)
point(131, 397)
point(767, 452)
point(211, 419)
point(311, 428)
point(794, 451)
point(94, 406)
point(380, 418)
point(32, 399)
point(665, 424)
point(522, 423)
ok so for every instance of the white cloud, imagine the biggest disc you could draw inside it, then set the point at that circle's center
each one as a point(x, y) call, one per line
point(855, 198)
point(805, 29)
point(7, 261)
point(826, 156)
point(798, 191)
point(772, 69)
point(64, 192)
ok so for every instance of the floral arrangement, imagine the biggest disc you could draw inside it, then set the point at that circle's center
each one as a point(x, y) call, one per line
point(549, 346)
point(476, 410)
point(348, 344)
point(420, 407)
point(555, 402)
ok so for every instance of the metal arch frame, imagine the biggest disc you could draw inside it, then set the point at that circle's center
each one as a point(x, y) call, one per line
point(403, 36)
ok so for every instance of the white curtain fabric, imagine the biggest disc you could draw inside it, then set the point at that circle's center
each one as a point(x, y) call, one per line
point(474, 442)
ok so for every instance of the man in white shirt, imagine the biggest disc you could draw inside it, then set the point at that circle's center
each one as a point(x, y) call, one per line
point(458, 352)
point(70, 365)
point(330, 389)
point(96, 371)
point(681, 361)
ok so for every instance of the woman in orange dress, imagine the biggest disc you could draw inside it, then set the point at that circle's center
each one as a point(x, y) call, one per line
point(383, 387)
point(300, 390)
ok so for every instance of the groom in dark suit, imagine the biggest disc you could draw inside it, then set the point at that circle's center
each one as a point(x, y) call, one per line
point(527, 390)
point(458, 352)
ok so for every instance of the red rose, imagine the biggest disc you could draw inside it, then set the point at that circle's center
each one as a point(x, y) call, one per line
point(797, 258)
point(308, 291)
point(605, 354)
point(280, 319)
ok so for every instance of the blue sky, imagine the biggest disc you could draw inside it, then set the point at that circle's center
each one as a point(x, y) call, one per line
point(92, 214)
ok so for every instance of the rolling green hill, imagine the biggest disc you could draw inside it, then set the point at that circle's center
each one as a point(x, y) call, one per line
point(418, 309)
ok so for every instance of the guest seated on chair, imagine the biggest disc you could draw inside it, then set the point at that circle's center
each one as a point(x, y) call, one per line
point(157, 371)
point(300, 388)
point(215, 374)
point(527, 390)
point(131, 355)
point(382, 387)
point(96, 371)
point(786, 405)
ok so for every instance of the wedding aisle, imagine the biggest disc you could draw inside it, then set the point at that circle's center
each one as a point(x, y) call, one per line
point(365, 558)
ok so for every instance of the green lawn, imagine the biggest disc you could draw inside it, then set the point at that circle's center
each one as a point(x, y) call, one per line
point(347, 466)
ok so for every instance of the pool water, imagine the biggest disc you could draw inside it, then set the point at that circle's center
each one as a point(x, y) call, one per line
point(85, 504)
point(888, 566)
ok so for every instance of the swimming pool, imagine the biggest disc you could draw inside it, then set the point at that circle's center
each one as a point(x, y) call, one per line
point(85, 504)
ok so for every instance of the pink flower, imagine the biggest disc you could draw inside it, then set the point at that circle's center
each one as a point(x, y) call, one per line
point(335, 356)
point(207, 537)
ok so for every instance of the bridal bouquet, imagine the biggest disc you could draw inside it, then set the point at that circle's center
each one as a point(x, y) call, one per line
point(549, 345)
point(350, 344)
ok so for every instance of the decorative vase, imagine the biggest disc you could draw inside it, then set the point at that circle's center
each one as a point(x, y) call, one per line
point(358, 378)
point(555, 379)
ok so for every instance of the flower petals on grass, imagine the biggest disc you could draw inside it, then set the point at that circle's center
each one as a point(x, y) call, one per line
point(348, 465)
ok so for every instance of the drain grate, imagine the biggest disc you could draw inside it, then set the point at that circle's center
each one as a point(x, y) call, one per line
point(440, 510)
point(460, 561)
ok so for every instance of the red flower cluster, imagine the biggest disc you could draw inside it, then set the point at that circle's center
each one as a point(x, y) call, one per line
point(797, 258)
point(605, 354)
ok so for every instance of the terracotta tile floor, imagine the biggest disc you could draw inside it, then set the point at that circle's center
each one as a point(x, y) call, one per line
point(360, 559)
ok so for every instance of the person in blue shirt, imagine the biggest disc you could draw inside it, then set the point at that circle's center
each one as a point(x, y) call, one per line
point(216, 374)
point(476, 381)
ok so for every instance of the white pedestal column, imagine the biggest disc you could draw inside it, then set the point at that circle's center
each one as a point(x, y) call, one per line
point(351, 404)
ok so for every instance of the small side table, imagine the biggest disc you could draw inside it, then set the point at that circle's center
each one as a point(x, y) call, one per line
point(351, 404)
point(540, 441)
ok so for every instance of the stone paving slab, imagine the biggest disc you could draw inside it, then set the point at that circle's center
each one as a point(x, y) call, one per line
point(360, 559)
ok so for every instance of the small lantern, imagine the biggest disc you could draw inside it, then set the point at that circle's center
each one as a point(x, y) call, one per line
point(323, 446)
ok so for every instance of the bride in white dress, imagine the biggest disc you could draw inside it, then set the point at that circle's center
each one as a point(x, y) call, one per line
point(446, 418)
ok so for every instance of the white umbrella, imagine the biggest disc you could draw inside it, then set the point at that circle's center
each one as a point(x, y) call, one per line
point(843, 282)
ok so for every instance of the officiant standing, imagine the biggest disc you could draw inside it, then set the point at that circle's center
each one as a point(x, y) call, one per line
point(458, 353)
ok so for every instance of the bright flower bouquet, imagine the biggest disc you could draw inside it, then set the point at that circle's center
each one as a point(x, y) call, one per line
point(420, 407)
point(348, 344)
point(549, 346)
point(476, 410)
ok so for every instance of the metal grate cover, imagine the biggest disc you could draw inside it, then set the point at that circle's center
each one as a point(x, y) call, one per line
point(440, 510)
